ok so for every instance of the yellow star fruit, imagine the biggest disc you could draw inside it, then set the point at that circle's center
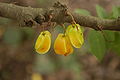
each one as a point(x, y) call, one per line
point(75, 35)
point(43, 42)
point(62, 45)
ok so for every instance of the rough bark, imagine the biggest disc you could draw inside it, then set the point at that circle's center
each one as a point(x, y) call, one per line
point(28, 16)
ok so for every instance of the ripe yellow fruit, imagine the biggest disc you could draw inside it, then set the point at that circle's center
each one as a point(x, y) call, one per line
point(75, 35)
point(62, 45)
point(43, 42)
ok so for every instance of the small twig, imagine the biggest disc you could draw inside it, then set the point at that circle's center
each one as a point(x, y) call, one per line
point(63, 28)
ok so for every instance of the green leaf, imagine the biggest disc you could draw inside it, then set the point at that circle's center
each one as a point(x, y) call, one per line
point(110, 38)
point(101, 12)
point(109, 35)
point(116, 12)
point(82, 11)
point(116, 45)
point(96, 43)
point(116, 48)
point(119, 8)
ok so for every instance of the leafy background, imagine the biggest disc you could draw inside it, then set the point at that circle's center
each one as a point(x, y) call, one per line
point(98, 59)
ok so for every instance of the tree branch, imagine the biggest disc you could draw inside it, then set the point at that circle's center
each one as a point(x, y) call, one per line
point(28, 16)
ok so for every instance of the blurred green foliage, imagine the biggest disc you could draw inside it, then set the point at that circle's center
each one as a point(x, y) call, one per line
point(12, 36)
point(95, 42)
point(82, 11)
point(115, 12)
point(15, 36)
point(100, 43)
point(101, 12)
point(4, 20)
point(28, 32)
point(44, 64)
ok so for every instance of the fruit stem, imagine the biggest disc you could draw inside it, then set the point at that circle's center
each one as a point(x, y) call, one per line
point(73, 20)
point(63, 28)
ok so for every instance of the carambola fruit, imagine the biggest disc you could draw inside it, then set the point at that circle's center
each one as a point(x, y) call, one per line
point(62, 45)
point(43, 42)
point(75, 35)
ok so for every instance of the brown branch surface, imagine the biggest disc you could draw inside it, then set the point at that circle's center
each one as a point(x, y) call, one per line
point(28, 16)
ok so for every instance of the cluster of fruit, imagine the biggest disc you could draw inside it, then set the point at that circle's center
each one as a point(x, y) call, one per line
point(73, 36)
